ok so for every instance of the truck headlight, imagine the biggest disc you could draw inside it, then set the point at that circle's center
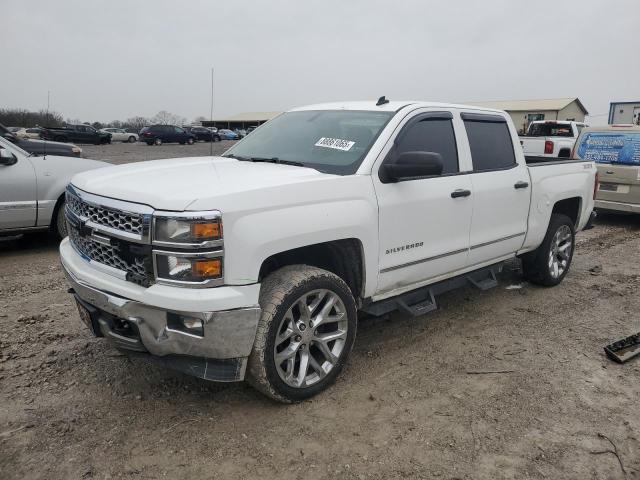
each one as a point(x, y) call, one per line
point(197, 239)
point(188, 269)
point(187, 229)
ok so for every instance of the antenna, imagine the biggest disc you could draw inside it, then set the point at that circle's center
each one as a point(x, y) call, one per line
point(381, 101)
point(211, 115)
point(44, 146)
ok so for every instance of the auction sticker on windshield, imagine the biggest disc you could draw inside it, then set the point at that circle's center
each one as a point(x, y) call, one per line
point(336, 143)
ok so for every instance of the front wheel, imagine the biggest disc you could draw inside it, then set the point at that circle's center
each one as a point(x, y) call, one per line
point(189, 141)
point(132, 139)
point(158, 141)
point(550, 262)
point(305, 334)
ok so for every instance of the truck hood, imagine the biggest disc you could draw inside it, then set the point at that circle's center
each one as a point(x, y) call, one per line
point(177, 184)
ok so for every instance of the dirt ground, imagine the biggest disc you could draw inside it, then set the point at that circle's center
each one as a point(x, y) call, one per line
point(416, 400)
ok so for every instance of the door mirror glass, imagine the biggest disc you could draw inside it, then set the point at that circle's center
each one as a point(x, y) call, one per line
point(410, 165)
point(6, 157)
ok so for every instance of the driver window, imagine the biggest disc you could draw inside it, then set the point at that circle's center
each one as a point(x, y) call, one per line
point(178, 130)
point(432, 135)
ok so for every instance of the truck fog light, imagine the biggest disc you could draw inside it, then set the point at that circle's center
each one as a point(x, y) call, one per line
point(193, 325)
point(186, 324)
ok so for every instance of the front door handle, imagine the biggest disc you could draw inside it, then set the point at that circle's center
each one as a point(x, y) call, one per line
point(460, 193)
point(521, 185)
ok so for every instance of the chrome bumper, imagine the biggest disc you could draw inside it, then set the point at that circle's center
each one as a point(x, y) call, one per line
point(227, 338)
point(617, 206)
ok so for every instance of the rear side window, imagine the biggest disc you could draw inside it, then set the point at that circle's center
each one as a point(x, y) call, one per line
point(612, 147)
point(490, 142)
point(432, 135)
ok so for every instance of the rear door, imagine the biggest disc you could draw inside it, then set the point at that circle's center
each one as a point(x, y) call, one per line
point(501, 190)
point(424, 229)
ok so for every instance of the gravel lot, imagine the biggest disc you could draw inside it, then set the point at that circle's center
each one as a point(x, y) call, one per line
point(414, 402)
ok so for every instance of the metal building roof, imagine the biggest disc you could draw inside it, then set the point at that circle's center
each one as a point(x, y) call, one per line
point(531, 105)
point(250, 117)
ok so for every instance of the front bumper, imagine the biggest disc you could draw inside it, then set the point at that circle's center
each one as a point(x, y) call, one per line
point(219, 354)
point(618, 206)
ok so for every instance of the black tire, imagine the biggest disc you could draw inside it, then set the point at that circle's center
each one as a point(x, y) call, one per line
point(536, 265)
point(59, 224)
point(157, 141)
point(132, 139)
point(279, 291)
point(150, 143)
point(190, 141)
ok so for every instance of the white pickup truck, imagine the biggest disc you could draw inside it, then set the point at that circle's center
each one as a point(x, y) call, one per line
point(254, 264)
point(551, 138)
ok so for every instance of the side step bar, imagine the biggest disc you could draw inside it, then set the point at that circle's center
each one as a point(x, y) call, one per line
point(422, 300)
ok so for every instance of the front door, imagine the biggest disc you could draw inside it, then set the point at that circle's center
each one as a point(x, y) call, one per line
point(18, 205)
point(424, 223)
point(501, 189)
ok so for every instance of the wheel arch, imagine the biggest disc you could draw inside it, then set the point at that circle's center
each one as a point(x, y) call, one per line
point(571, 207)
point(344, 257)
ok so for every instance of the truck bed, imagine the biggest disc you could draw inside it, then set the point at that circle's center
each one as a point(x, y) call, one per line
point(536, 161)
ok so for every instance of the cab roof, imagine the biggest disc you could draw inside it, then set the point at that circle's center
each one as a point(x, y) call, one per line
point(391, 106)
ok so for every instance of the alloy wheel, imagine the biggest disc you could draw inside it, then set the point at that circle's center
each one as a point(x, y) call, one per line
point(560, 251)
point(310, 338)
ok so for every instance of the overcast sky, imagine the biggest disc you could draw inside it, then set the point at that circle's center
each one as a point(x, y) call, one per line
point(105, 60)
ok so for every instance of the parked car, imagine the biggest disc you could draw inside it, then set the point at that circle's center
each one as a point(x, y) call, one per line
point(121, 135)
point(159, 134)
point(377, 207)
point(76, 134)
point(551, 138)
point(41, 147)
point(616, 151)
point(32, 189)
point(203, 134)
point(251, 129)
point(226, 134)
point(240, 132)
point(33, 133)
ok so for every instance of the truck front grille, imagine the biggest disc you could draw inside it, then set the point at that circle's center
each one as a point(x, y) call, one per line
point(137, 268)
point(118, 220)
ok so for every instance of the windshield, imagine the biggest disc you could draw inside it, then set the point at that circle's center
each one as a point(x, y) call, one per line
point(550, 130)
point(332, 141)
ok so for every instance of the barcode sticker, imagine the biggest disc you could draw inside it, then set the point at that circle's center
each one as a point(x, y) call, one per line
point(336, 143)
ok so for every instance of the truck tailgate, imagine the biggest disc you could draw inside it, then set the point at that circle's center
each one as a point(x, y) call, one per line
point(532, 146)
point(619, 183)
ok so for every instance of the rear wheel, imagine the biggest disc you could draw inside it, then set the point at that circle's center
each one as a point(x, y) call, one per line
point(189, 141)
point(305, 334)
point(550, 262)
point(149, 143)
point(132, 139)
point(158, 141)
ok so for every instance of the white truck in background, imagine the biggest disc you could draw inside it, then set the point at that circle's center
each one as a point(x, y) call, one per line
point(253, 265)
point(551, 138)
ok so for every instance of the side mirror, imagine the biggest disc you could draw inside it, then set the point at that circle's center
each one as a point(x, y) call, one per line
point(410, 165)
point(7, 158)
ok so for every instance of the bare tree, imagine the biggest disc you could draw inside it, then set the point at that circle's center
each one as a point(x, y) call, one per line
point(167, 118)
point(19, 117)
point(136, 122)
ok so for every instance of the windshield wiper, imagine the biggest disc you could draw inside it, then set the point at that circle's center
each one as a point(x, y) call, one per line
point(265, 159)
point(277, 160)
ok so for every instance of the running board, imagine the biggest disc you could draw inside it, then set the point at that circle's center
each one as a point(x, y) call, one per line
point(423, 300)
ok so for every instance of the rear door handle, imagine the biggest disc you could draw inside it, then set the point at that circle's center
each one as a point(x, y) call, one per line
point(521, 185)
point(460, 193)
